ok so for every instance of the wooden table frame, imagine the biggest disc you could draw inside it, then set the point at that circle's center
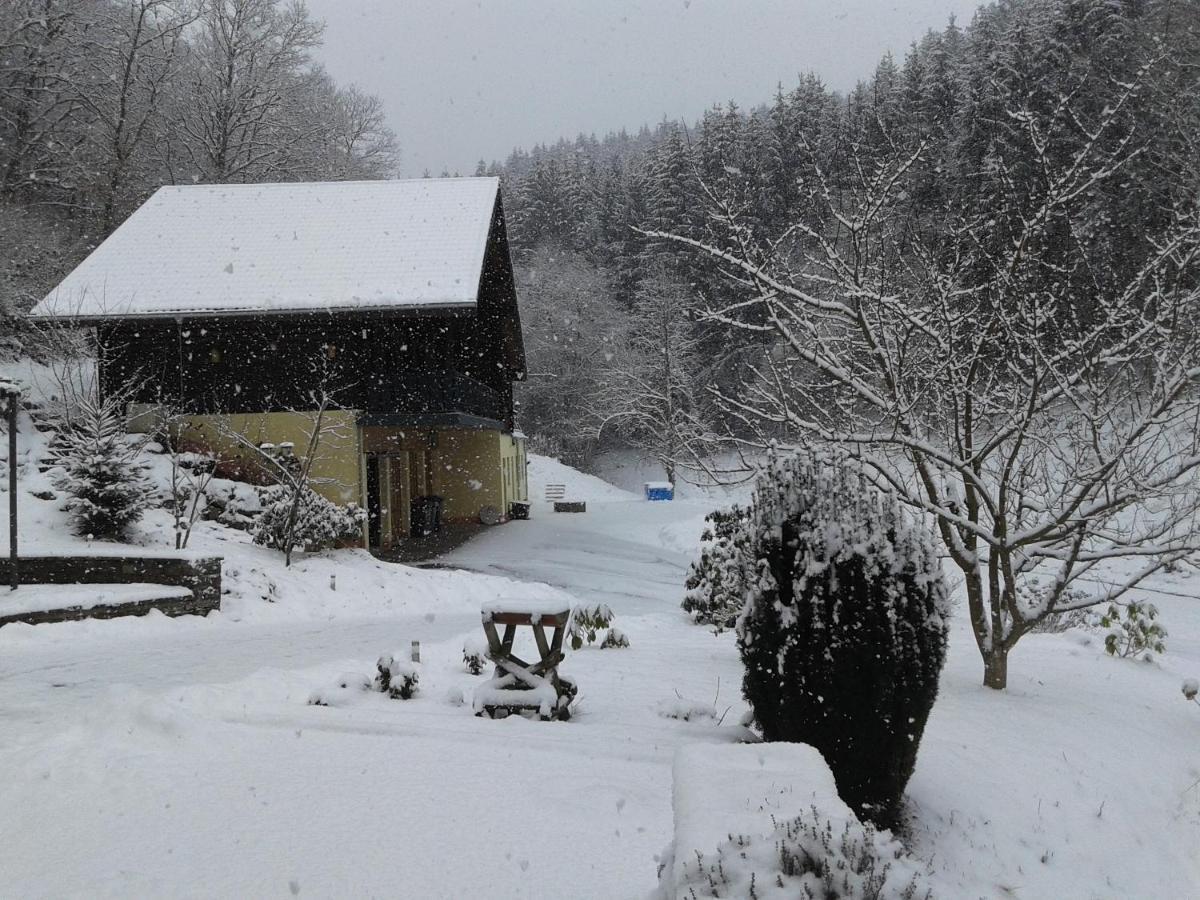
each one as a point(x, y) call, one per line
point(518, 676)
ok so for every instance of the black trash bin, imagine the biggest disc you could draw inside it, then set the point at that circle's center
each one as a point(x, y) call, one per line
point(426, 515)
point(518, 509)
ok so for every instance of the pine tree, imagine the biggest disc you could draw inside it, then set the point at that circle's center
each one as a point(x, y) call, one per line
point(100, 471)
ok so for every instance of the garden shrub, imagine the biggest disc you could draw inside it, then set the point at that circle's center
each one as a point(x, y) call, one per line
point(319, 523)
point(1136, 634)
point(587, 622)
point(843, 635)
point(474, 656)
point(396, 676)
point(232, 503)
point(615, 639)
point(715, 583)
point(808, 857)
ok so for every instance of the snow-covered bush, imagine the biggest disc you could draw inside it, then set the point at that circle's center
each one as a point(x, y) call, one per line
point(396, 676)
point(474, 656)
point(843, 635)
point(715, 583)
point(347, 684)
point(1190, 688)
point(808, 857)
point(1136, 634)
point(100, 470)
point(587, 622)
point(615, 639)
point(232, 503)
point(319, 523)
point(685, 710)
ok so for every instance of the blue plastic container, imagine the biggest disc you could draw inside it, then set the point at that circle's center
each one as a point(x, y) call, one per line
point(659, 490)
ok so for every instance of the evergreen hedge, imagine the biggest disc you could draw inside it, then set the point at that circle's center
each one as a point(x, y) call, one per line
point(843, 634)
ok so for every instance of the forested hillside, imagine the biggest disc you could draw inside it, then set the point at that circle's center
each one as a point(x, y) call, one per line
point(633, 340)
point(103, 101)
point(639, 340)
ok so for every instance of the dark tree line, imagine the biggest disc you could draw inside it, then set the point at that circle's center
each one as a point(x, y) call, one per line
point(992, 106)
point(103, 101)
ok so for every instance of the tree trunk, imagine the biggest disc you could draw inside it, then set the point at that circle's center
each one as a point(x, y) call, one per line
point(995, 668)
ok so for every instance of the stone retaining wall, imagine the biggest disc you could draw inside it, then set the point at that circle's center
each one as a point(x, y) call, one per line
point(200, 574)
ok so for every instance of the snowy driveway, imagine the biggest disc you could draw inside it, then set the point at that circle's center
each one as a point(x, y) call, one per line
point(179, 757)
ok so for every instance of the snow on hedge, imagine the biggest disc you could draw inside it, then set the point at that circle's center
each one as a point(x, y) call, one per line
point(765, 821)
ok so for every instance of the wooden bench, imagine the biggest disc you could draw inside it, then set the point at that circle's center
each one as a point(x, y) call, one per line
point(516, 685)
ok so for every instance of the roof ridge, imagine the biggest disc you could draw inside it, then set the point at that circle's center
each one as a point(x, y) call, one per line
point(357, 181)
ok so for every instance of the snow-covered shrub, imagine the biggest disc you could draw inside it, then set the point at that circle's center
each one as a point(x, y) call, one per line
point(1190, 688)
point(396, 676)
point(1136, 634)
point(319, 523)
point(232, 503)
point(615, 639)
point(685, 710)
point(843, 635)
point(808, 857)
point(100, 470)
point(348, 683)
point(587, 622)
point(715, 583)
point(474, 656)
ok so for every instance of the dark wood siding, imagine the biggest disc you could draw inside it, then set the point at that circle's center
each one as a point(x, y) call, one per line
point(394, 362)
point(387, 365)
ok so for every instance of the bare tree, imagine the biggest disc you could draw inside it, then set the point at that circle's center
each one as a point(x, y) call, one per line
point(246, 69)
point(41, 46)
point(1055, 447)
point(648, 388)
point(135, 55)
point(353, 141)
point(572, 332)
point(191, 472)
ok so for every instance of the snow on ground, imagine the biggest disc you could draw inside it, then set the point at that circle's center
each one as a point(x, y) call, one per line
point(544, 470)
point(172, 757)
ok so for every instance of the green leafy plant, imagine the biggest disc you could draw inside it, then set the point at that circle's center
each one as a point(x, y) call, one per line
point(474, 657)
point(587, 622)
point(614, 639)
point(396, 677)
point(1136, 634)
point(716, 581)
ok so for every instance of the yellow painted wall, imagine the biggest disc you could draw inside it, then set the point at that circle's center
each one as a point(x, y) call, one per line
point(468, 466)
point(466, 471)
point(337, 465)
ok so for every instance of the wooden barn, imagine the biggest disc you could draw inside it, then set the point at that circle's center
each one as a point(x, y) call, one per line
point(244, 305)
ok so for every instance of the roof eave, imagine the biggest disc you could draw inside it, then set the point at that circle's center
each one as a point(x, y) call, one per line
point(456, 307)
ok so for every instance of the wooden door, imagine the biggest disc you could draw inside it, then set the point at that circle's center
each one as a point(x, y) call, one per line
point(401, 495)
point(418, 473)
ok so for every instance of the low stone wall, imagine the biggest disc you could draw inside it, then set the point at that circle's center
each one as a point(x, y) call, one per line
point(200, 574)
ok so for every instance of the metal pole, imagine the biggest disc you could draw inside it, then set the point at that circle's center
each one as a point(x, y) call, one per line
point(12, 489)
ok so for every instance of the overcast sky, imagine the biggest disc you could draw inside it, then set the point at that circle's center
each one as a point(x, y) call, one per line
point(470, 79)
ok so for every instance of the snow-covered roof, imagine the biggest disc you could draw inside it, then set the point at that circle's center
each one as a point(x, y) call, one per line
point(250, 248)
